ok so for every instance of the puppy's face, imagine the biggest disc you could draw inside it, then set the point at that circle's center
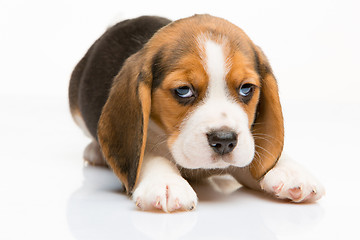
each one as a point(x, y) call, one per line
point(205, 93)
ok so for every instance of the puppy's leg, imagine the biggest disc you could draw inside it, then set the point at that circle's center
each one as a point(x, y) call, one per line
point(93, 154)
point(161, 186)
point(287, 180)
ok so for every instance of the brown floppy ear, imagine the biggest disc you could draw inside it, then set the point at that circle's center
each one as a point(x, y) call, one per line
point(268, 127)
point(122, 128)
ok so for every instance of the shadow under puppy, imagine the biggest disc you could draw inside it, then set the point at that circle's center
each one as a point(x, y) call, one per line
point(167, 101)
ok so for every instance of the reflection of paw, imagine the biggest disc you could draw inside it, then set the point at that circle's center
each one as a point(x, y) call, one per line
point(169, 193)
point(287, 180)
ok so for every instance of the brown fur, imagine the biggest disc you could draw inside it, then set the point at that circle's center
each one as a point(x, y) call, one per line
point(173, 56)
point(122, 138)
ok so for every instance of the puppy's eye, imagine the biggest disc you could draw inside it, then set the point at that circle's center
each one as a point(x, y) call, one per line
point(246, 91)
point(184, 92)
point(184, 95)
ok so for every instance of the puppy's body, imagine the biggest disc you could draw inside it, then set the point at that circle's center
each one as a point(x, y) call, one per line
point(166, 101)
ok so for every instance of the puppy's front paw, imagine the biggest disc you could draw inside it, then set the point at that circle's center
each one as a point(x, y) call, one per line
point(168, 193)
point(288, 180)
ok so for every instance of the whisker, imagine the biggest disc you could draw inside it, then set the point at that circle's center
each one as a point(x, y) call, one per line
point(256, 137)
point(258, 160)
point(265, 135)
point(157, 145)
point(265, 150)
point(257, 154)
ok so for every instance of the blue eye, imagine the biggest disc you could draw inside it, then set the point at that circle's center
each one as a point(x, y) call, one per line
point(246, 90)
point(184, 92)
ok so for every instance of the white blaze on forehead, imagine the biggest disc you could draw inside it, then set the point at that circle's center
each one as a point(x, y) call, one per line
point(215, 65)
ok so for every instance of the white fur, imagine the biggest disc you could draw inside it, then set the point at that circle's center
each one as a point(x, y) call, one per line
point(191, 148)
point(161, 186)
point(216, 70)
point(289, 180)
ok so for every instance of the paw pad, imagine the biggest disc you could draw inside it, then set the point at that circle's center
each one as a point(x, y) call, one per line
point(295, 193)
point(157, 203)
point(277, 189)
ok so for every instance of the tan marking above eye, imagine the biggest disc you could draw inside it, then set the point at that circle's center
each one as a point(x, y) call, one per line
point(174, 80)
point(167, 111)
point(192, 78)
point(253, 81)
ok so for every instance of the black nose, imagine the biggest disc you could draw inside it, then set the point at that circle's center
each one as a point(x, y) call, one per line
point(222, 142)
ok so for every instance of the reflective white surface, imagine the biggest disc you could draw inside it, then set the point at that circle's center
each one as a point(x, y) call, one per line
point(242, 214)
point(46, 192)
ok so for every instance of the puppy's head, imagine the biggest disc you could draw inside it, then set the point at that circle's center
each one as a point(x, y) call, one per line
point(212, 91)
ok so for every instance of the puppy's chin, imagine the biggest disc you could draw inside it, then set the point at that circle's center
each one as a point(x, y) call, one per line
point(214, 163)
point(206, 159)
point(210, 164)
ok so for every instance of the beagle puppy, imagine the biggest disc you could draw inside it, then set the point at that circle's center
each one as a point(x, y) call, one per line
point(168, 102)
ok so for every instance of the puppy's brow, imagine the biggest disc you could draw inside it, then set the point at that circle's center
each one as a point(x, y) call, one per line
point(166, 60)
point(158, 69)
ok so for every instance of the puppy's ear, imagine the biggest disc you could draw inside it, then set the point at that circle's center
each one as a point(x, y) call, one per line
point(268, 128)
point(123, 123)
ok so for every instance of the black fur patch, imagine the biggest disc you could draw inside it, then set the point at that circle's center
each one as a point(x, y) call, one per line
point(158, 69)
point(104, 60)
point(262, 69)
point(256, 62)
point(162, 64)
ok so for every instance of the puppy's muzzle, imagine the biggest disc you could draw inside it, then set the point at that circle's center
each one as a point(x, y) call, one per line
point(222, 142)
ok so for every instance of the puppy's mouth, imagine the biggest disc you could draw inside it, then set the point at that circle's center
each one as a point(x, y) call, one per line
point(225, 159)
point(215, 161)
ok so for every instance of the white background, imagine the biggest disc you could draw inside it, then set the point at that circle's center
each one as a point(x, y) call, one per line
point(47, 193)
